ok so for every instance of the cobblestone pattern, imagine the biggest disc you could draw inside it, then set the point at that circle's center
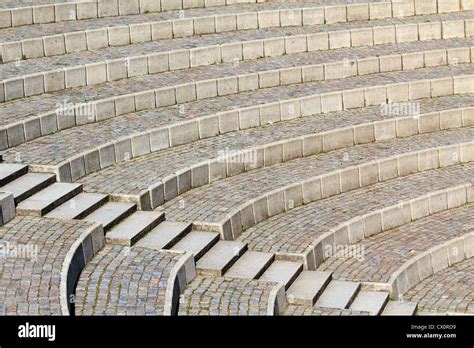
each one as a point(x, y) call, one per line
point(295, 230)
point(225, 296)
point(31, 285)
point(212, 202)
point(21, 108)
point(163, 163)
point(26, 32)
point(55, 148)
point(298, 310)
point(124, 281)
point(86, 57)
point(448, 291)
point(385, 252)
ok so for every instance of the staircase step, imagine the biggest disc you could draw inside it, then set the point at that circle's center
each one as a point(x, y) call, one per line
point(111, 213)
point(400, 308)
point(47, 199)
point(284, 272)
point(370, 301)
point(220, 258)
point(78, 207)
point(27, 185)
point(250, 265)
point(130, 230)
point(338, 294)
point(309, 285)
point(197, 243)
point(11, 171)
point(165, 235)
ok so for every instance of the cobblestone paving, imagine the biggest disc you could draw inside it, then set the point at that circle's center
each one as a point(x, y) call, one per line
point(13, 110)
point(385, 252)
point(448, 291)
point(225, 296)
point(298, 310)
point(163, 163)
point(124, 281)
point(25, 32)
point(30, 272)
point(212, 202)
point(55, 148)
point(296, 229)
point(86, 57)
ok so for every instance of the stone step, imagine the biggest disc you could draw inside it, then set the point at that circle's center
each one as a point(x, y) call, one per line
point(130, 230)
point(47, 199)
point(250, 265)
point(370, 301)
point(78, 207)
point(27, 185)
point(111, 213)
point(197, 243)
point(284, 272)
point(338, 294)
point(220, 258)
point(165, 235)
point(11, 171)
point(400, 308)
point(309, 285)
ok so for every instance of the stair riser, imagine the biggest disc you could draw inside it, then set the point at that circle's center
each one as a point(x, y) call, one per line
point(130, 242)
point(206, 248)
point(353, 297)
point(220, 273)
point(13, 176)
point(34, 190)
point(383, 307)
point(92, 208)
point(307, 302)
point(177, 238)
point(292, 279)
point(51, 206)
point(121, 217)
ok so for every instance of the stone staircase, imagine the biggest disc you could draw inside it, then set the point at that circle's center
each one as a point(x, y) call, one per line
point(249, 134)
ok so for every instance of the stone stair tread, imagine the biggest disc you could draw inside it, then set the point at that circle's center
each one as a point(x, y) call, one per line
point(110, 213)
point(79, 206)
point(338, 294)
point(284, 272)
point(308, 287)
point(134, 227)
point(11, 171)
point(27, 185)
point(220, 257)
point(47, 199)
point(164, 235)
point(370, 301)
point(250, 265)
point(400, 308)
point(197, 243)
